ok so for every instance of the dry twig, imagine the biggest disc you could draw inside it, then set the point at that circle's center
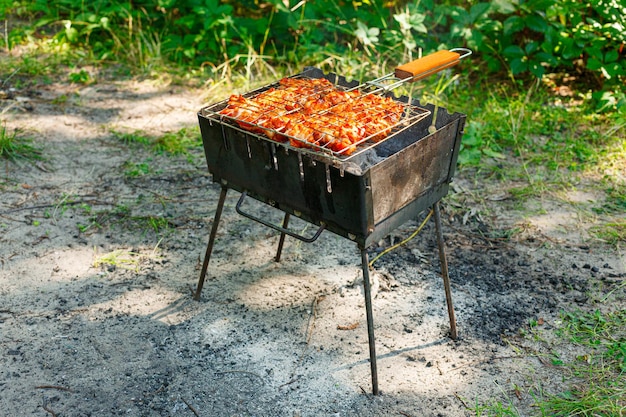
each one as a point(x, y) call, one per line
point(461, 399)
point(193, 410)
point(45, 407)
point(289, 382)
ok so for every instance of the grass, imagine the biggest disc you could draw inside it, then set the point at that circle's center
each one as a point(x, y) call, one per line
point(595, 374)
point(124, 258)
point(119, 258)
point(600, 371)
point(17, 148)
point(613, 232)
point(122, 216)
point(496, 408)
point(171, 143)
point(138, 169)
point(529, 134)
point(615, 199)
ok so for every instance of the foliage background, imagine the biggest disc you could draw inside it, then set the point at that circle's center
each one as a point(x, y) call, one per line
point(514, 37)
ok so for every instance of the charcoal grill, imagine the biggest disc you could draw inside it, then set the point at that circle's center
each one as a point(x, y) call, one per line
point(362, 196)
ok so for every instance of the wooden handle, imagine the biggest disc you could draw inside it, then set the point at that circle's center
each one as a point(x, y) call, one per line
point(427, 65)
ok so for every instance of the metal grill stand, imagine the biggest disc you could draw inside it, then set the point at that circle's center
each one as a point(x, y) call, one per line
point(364, 265)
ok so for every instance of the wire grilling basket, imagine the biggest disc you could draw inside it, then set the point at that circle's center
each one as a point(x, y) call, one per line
point(318, 116)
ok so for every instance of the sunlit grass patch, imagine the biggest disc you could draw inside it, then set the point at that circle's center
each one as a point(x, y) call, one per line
point(510, 127)
point(172, 143)
point(119, 258)
point(496, 409)
point(15, 148)
point(135, 137)
point(124, 258)
point(598, 398)
point(139, 169)
point(599, 386)
point(179, 142)
point(612, 232)
point(589, 348)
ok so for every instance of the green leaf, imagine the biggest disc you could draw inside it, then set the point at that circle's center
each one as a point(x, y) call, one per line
point(411, 21)
point(536, 23)
point(542, 4)
point(473, 134)
point(536, 69)
point(611, 56)
point(368, 36)
point(216, 9)
point(547, 58)
point(514, 51)
point(611, 70)
point(493, 154)
point(594, 64)
point(531, 47)
point(469, 156)
point(493, 64)
point(503, 6)
point(595, 52)
point(518, 66)
point(420, 28)
point(512, 25)
point(409, 43)
point(478, 10)
point(568, 49)
point(70, 32)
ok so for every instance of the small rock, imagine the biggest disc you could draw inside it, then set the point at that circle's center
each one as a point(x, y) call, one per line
point(581, 299)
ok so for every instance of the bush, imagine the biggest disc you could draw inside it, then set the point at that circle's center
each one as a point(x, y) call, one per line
point(518, 37)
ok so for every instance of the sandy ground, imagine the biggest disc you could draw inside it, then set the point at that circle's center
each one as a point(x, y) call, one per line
point(80, 337)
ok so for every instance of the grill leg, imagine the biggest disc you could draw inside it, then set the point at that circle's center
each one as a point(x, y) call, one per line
point(444, 270)
point(209, 248)
point(370, 319)
point(281, 241)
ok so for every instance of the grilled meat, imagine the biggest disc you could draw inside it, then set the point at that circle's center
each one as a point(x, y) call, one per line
point(314, 113)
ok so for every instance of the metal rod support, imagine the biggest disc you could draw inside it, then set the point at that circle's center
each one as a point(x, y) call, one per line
point(281, 241)
point(444, 270)
point(209, 248)
point(271, 225)
point(370, 319)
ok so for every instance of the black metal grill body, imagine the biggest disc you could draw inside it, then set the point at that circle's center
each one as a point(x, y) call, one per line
point(409, 173)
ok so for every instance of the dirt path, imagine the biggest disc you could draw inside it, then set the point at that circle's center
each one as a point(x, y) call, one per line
point(267, 339)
